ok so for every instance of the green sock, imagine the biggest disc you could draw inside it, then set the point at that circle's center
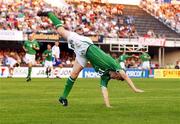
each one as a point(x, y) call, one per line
point(55, 20)
point(68, 87)
point(29, 71)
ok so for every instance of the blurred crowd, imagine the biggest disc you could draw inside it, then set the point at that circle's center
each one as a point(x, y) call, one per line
point(67, 58)
point(85, 18)
point(168, 13)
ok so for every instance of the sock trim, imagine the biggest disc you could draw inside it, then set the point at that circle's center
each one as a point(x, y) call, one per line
point(58, 25)
point(72, 80)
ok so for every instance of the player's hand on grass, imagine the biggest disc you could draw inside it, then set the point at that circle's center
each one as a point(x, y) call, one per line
point(138, 90)
point(109, 106)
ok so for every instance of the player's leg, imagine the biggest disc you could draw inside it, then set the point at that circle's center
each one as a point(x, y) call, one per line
point(70, 82)
point(29, 72)
point(58, 63)
point(47, 68)
point(51, 69)
point(11, 64)
point(147, 63)
point(57, 23)
point(47, 72)
point(31, 62)
point(10, 71)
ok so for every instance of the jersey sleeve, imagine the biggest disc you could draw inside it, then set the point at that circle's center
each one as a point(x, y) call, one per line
point(128, 56)
point(25, 44)
point(149, 57)
point(141, 57)
point(37, 44)
point(45, 52)
point(104, 81)
point(119, 59)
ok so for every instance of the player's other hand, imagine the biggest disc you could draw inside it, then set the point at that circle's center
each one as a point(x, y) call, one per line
point(34, 47)
point(138, 91)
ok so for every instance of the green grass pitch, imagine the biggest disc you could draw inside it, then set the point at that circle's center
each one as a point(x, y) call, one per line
point(37, 102)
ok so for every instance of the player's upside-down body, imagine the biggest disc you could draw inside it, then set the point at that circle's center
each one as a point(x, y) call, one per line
point(85, 51)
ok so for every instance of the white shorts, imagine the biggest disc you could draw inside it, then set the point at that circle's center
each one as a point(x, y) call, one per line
point(80, 45)
point(29, 59)
point(81, 60)
point(48, 64)
point(122, 64)
point(11, 62)
point(146, 65)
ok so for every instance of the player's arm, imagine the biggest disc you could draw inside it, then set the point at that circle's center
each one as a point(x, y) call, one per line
point(44, 54)
point(130, 83)
point(24, 48)
point(104, 83)
point(105, 96)
point(149, 57)
point(36, 46)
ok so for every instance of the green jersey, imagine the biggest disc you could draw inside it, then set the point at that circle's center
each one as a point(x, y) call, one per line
point(123, 57)
point(102, 63)
point(48, 54)
point(29, 46)
point(145, 57)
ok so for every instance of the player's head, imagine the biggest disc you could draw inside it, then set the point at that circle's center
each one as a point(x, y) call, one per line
point(116, 75)
point(57, 43)
point(143, 50)
point(31, 36)
point(11, 54)
point(48, 46)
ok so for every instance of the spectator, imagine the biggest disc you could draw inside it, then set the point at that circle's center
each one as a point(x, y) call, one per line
point(168, 13)
point(177, 66)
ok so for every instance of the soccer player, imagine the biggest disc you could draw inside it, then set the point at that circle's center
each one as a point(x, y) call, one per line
point(48, 61)
point(145, 58)
point(56, 54)
point(85, 51)
point(12, 61)
point(30, 46)
point(122, 59)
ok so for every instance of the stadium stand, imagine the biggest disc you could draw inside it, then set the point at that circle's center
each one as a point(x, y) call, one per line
point(145, 22)
point(167, 13)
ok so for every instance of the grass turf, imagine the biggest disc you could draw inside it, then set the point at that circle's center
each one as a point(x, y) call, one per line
point(37, 102)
